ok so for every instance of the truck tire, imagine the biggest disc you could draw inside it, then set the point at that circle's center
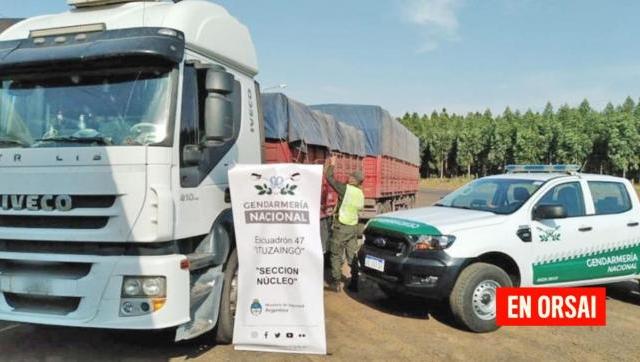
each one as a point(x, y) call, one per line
point(473, 297)
point(228, 304)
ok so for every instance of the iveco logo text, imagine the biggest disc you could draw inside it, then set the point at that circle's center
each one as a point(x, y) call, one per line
point(36, 202)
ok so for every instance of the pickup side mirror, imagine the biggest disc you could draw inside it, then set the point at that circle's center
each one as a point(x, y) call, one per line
point(218, 108)
point(191, 155)
point(548, 212)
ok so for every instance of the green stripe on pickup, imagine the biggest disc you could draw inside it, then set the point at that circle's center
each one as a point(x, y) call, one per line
point(617, 261)
point(403, 226)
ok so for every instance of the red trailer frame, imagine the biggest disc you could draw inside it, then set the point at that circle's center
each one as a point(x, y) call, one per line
point(389, 184)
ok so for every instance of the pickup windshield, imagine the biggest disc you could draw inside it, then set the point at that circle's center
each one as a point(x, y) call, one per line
point(500, 196)
point(112, 107)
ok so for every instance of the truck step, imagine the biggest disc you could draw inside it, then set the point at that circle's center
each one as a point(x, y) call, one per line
point(200, 261)
point(201, 291)
point(197, 327)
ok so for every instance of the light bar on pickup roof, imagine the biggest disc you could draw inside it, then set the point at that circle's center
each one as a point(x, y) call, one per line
point(542, 168)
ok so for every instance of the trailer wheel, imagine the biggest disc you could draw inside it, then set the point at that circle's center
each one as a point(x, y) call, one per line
point(473, 299)
point(228, 304)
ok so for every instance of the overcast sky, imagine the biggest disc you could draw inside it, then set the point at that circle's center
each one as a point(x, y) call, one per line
point(421, 55)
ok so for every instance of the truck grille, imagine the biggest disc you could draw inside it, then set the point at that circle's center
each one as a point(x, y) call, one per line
point(42, 272)
point(53, 222)
point(27, 303)
point(89, 248)
point(93, 201)
point(390, 245)
point(62, 270)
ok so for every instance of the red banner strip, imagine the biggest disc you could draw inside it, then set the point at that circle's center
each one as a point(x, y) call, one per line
point(551, 307)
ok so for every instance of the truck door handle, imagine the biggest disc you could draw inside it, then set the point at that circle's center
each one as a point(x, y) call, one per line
point(584, 229)
point(633, 224)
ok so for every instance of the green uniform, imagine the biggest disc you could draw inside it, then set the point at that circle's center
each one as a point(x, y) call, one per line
point(344, 239)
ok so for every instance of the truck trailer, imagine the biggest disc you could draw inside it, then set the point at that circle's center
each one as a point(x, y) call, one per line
point(297, 133)
point(119, 121)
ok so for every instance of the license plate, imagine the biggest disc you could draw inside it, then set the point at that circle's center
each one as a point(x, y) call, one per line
point(374, 263)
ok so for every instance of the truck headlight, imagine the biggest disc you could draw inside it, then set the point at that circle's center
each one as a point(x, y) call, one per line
point(153, 287)
point(131, 287)
point(433, 242)
point(144, 287)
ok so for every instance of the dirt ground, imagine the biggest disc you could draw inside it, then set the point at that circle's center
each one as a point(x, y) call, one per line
point(364, 326)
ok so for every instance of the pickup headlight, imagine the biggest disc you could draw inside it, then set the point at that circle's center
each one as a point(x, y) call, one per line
point(433, 242)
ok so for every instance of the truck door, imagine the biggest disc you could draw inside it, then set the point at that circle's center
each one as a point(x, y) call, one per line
point(616, 227)
point(560, 244)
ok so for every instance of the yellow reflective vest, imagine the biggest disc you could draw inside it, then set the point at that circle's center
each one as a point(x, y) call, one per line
point(352, 203)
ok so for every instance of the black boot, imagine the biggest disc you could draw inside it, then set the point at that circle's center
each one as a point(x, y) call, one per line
point(353, 285)
point(335, 286)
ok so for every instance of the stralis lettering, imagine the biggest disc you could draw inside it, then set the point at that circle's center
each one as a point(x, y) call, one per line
point(36, 202)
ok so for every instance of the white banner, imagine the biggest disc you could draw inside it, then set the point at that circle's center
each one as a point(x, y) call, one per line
point(276, 212)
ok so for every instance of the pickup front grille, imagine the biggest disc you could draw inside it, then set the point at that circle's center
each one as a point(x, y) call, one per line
point(386, 244)
point(53, 222)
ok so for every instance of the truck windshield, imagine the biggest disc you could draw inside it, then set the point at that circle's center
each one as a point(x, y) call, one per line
point(500, 196)
point(113, 107)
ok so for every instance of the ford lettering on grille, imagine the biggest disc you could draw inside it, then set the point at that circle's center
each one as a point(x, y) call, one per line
point(36, 202)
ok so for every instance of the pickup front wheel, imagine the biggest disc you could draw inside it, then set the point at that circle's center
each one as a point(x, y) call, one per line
point(473, 299)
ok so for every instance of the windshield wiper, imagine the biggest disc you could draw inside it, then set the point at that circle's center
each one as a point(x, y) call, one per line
point(464, 208)
point(4, 141)
point(103, 141)
point(453, 207)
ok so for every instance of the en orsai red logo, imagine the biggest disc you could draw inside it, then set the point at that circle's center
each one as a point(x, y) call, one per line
point(551, 307)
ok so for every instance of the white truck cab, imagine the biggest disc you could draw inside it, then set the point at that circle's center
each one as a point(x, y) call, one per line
point(533, 226)
point(118, 123)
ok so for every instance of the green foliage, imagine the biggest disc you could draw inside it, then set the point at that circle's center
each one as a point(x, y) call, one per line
point(606, 141)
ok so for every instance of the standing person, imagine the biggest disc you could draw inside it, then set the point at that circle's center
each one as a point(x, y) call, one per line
point(345, 227)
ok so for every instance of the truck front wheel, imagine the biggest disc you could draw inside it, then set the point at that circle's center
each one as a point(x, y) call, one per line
point(228, 304)
point(473, 299)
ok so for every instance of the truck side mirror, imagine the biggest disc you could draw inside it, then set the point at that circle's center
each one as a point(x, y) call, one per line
point(548, 212)
point(218, 117)
point(191, 155)
point(217, 108)
point(219, 81)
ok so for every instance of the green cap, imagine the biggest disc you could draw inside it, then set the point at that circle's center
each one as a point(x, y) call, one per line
point(358, 176)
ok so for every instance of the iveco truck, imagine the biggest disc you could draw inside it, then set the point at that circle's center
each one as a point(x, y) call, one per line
point(118, 123)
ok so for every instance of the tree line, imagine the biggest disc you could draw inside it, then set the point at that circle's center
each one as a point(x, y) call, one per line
point(478, 144)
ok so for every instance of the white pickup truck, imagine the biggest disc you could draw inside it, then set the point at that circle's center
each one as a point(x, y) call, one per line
point(534, 226)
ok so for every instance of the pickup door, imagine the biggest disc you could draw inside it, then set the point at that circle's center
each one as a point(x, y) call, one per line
point(595, 243)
